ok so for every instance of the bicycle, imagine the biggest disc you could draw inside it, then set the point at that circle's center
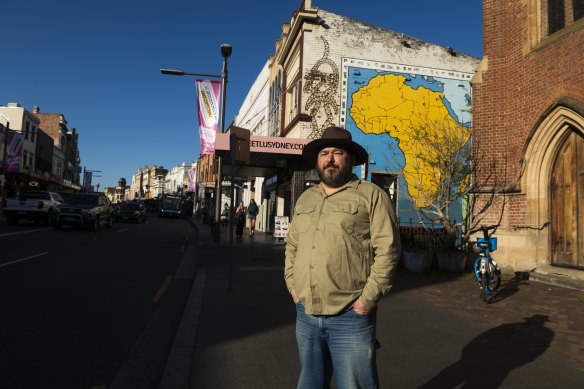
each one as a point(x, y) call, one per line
point(485, 268)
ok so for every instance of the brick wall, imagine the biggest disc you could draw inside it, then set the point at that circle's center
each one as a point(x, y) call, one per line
point(520, 84)
point(524, 80)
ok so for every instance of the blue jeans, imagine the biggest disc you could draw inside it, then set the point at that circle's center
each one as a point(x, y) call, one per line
point(343, 345)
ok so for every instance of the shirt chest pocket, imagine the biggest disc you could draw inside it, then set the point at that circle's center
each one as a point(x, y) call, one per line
point(303, 217)
point(341, 217)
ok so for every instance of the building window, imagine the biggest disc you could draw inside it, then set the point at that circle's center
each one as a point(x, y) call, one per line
point(578, 9)
point(292, 101)
point(274, 113)
point(24, 158)
point(561, 14)
point(555, 15)
point(34, 129)
point(26, 130)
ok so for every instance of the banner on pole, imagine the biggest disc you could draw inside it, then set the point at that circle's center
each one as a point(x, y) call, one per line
point(87, 180)
point(208, 97)
point(192, 180)
point(14, 148)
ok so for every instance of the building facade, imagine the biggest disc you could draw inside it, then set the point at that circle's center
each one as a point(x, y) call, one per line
point(43, 163)
point(528, 113)
point(147, 183)
point(329, 69)
point(55, 126)
point(181, 179)
point(206, 179)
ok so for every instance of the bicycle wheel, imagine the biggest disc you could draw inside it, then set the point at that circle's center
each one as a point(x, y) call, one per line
point(477, 269)
point(484, 287)
point(494, 282)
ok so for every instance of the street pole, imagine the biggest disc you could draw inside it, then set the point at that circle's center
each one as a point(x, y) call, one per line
point(226, 50)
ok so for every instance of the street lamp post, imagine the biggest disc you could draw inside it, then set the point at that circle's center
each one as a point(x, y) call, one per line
point(226, 50)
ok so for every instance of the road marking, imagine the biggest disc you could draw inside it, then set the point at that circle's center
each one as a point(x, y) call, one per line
point(261, 268)
point(24, 259)
point(163, 289)
point(24, 232)
point(123, 230)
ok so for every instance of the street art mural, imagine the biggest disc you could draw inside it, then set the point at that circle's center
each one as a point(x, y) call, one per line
point(387, 107)
point(321, 84)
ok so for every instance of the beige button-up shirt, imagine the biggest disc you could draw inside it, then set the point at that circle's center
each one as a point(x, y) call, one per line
point(342, 247)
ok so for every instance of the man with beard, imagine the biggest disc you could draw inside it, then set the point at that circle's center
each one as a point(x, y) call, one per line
point(341, 253)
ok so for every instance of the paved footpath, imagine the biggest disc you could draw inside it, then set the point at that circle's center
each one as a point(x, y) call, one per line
point(434, 330)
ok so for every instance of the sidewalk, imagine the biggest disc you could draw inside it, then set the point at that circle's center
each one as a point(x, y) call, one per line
point(238, 326)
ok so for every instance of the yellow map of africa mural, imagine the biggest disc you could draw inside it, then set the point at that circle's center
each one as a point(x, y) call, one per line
point(417, 117)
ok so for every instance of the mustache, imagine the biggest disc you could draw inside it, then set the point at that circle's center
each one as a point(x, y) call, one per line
point(330, 164)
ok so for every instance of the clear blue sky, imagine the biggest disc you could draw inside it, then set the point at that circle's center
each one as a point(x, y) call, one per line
point(97, 62)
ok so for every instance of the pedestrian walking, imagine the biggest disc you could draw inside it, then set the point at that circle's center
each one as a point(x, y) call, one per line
point(240, 212)
point(252, 211)
point(341, 253)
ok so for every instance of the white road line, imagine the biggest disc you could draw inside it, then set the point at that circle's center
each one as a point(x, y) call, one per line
point(163, 289)
point(124, 230)
point(24, 232)
point(24, 259)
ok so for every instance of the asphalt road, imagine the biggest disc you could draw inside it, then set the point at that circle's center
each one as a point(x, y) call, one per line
point(74, 303)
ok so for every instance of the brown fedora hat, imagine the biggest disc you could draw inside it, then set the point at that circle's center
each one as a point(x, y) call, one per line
point(335, 137)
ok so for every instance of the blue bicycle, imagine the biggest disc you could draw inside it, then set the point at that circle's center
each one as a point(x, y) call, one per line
point(485, 268)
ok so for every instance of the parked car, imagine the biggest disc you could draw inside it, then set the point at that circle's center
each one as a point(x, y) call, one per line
point(131, 211)
point(89, 210)
point(38, 206)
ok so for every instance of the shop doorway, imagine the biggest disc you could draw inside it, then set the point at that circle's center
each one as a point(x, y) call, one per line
point(567, 204)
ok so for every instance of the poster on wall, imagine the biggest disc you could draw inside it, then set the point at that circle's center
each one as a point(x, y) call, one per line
point(281, 227)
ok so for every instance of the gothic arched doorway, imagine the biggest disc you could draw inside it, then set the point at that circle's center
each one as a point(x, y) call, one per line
point(567, 204)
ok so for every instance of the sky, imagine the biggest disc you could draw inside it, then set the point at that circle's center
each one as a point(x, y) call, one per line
point(98, 63)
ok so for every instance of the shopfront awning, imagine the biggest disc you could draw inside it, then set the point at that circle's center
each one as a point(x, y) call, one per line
point(267, 154)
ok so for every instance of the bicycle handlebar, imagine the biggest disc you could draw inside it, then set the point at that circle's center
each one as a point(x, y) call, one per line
point(485, 230)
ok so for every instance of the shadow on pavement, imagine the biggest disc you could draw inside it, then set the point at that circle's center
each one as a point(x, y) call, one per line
point(507, 290)
point(485, 361)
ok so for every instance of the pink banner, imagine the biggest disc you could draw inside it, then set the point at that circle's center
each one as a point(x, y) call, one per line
point(14, 147)
point(192, 180)
point(208, 96)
